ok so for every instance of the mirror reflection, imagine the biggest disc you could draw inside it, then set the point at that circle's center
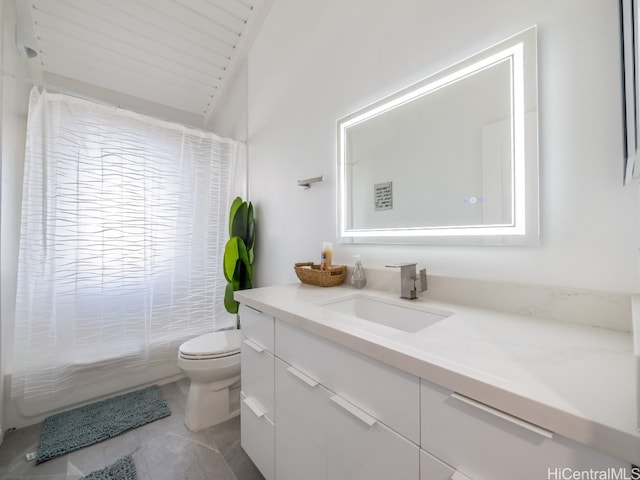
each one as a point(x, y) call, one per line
point(452, 158)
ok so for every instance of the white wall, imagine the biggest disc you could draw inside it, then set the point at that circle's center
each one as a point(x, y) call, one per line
point(14, 122)
point(230, 119)
point(315, 62)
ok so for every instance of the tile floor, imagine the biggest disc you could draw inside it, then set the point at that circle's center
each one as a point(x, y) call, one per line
point(164, 449)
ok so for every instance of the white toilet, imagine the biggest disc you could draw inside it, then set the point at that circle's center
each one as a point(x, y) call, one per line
point(212, 363)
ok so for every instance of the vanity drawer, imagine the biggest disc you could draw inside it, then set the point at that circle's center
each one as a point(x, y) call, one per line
point(384, 392)
point(301, 430)
point(483, 442)
point(257, 376)
point(257, 326)
point(361, 448)
point(257, 437)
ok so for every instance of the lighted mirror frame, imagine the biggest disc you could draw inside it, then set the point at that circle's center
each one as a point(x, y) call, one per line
point(523, 227)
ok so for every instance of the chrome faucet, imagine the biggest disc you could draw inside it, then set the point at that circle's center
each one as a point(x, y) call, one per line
point(408, 280)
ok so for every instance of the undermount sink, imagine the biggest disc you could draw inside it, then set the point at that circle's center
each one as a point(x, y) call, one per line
point(398, 314)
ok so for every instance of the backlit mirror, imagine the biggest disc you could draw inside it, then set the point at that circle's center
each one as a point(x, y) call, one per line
point(452, 159)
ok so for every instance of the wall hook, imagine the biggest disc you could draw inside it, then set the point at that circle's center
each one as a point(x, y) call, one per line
point(307, 182)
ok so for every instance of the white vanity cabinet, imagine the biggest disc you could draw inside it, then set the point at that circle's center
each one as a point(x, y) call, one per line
point(345, 405)
point(485, 443)
point(314, 409)
point(257, 412)
point(330, 406)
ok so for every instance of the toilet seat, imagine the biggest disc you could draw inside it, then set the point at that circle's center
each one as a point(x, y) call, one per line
point(211, 345)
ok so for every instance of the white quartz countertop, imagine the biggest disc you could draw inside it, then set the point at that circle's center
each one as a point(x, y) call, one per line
point(575, 380)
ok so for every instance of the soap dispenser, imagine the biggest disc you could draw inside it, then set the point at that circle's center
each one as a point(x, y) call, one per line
point(358, 279)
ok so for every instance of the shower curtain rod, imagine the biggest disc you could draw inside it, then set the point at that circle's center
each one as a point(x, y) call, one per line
point(63, 91)
point(55, 88)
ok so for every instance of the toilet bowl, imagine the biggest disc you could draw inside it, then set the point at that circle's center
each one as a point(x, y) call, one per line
point(212, 363)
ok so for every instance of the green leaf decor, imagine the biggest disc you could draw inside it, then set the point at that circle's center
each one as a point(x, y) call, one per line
point(238, 252)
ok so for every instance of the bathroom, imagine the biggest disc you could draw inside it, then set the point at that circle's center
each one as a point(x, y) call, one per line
point(315, 62)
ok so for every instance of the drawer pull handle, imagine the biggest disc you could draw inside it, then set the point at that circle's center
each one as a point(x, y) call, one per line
point(257, 411)
point(459, 476)
point(301, 376)
point(254, 346)
point(251, 308)
point(497, 413)
point(353, 410)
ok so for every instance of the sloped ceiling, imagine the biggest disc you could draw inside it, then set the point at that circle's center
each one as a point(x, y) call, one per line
point(180, 54)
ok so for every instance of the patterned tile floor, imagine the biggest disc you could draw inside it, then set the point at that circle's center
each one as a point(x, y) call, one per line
point(162, 450)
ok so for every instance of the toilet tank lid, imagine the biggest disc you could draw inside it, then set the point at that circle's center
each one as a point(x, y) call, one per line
point(226, 341)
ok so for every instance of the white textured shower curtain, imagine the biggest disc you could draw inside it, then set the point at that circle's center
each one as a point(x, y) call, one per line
point(124, 222)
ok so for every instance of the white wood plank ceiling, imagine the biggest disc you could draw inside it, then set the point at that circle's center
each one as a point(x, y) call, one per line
point(181, 54)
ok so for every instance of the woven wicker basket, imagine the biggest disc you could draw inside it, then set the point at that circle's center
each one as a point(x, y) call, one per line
point(310, 273)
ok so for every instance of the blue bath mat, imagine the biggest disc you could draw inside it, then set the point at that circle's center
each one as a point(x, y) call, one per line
point(122, 469)
point(83, 426)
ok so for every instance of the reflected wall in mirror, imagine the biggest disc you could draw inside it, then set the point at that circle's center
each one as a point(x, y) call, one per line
point(450, 159)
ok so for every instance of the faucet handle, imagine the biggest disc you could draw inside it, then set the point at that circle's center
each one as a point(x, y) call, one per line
point(400, 265)
point(423, 279)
